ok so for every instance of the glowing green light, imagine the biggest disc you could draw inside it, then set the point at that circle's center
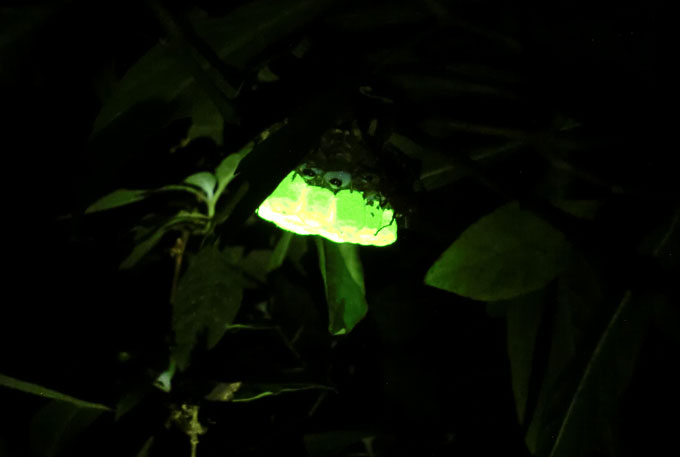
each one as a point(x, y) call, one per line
point(343, 217)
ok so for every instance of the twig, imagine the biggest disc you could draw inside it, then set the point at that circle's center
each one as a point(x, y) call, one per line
point(178, 253)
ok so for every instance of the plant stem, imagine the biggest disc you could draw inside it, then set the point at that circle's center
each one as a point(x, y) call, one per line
point(178, 253)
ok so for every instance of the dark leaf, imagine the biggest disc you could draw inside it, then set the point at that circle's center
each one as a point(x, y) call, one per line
point(144, 451)
point(241, 393)
point(143, 247)
point(603, 381)
point(131, 399)
point(437, 170)
point(523, 319)
point(41, 391)
point(256, 263)
point(584, 209)
point(235, 38)
point(280, 251)
point(374, 16)
point(207, 300)
point(423, 88)
point(334, 443)
point(148, 238)
point(56, 425)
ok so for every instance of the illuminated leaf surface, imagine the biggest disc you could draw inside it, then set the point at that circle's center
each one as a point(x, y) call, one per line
point(226, 170)
point(205, 181)
point(506, 253)
point(117, 198)
point(343, 278)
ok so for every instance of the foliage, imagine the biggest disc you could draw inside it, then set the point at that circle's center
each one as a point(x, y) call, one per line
point(531, 296)
point(505, 254)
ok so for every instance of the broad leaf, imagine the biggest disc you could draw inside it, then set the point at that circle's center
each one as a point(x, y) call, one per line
point(437, 170)
point(343, 278)
point(56, 425)
point(256, 263)
point(226, 170)
point(337, 442)
point(207, 300)
point(205, 181)
point(41, 391)
point(603, 381)
point(587, 419)
point(130, 399)
point(422, 87)
point(280, 251)
point(523, 318)
point(149, 237)
point(584, 209)
point(117, 198)
point(580, 316)
point(506, 253)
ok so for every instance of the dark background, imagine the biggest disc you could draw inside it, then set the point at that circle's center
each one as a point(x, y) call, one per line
point(427, 371)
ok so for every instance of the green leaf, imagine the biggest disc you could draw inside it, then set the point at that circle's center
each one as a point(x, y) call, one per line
point(117, 198)
point(256, 263)
point(603, 381)
point(580, 315)
point(523, 318)
point(205, 181)
point(143, 248)
point(423, 88)
point(437, 169)
point(226, 170)
point(151, 237)
point(208, 298)
point(236, 39)
point(584, 209)
point(41, 391)
point(343, 278)
point(369, 16)
point(239, 392)
point(130, 399)
point(336, 443)
point(144, 451)
point(506, 253)
point(56, 425)
point(280, 251)
point(180, 187)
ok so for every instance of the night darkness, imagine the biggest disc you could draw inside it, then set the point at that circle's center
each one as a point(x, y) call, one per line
point(528, 307)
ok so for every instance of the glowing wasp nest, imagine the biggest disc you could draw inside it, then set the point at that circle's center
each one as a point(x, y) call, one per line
point(334, 193)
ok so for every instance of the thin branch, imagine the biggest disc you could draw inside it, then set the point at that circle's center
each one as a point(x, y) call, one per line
point(178, 253)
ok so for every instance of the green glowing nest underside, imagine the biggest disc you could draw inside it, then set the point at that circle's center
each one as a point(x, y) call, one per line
point(343, 217)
